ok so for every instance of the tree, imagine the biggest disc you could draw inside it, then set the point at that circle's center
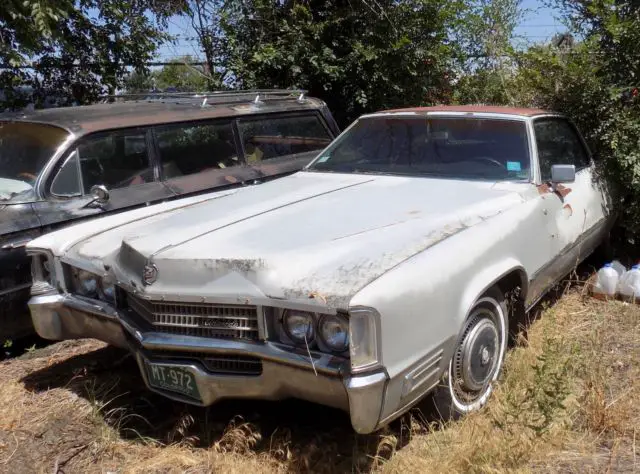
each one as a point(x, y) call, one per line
point(358, 55)
point(486, 32)
point(205, 21)
point(78, 48)
point(182, 75)
point(595, 82)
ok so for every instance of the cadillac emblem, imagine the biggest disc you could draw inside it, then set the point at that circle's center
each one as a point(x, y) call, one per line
point(149, 274)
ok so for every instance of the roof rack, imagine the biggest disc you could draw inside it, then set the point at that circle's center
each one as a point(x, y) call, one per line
point(257, 96)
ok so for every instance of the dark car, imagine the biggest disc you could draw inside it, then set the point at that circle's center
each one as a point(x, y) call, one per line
point(60, 166)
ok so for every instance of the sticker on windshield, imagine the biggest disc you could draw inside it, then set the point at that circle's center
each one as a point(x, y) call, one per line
point(514, 166)
point(322, 159)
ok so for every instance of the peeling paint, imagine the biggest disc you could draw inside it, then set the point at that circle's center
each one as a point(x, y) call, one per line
point(279, 241)
point(568, 210)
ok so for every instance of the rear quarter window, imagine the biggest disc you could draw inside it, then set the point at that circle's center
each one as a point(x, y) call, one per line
point(265, 138)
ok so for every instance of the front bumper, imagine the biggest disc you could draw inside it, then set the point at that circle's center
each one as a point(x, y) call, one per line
point(285, 373)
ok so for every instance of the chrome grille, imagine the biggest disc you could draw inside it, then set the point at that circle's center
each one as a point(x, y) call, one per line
point(216, 364)
point(199, 319)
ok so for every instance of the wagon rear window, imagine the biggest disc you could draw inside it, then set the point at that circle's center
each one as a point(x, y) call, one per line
point(272, 137)
point(451, 147)
point(25, 149)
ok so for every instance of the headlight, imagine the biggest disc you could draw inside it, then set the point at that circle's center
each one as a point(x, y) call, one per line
point(90, 285)
point(299, 326)
point(363, 337)
point(85, 283)
point(334, 331)
point(107, 291)
point(41, 269)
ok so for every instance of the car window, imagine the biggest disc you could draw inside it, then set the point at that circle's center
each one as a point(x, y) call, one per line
point(192, 148)
point(116, 160)
point(447, 147)
point(558, 144)
point(67, 181)
point(270, 137)
point(25, 150)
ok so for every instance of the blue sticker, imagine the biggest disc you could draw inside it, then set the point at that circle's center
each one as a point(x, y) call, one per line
point(514, 166)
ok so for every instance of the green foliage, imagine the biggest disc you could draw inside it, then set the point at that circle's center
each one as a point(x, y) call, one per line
point(486, 33)
point(80, 48)
point(359, 56)
point(538, 403)
point(593, 82)
point(183, 75)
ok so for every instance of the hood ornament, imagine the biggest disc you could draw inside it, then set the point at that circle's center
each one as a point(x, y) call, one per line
point(149, 274)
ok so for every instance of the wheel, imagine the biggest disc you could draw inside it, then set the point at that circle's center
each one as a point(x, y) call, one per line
point(477, 358)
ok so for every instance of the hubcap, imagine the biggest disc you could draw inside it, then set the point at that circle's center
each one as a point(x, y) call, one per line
point(480, 348)
point(475, 360)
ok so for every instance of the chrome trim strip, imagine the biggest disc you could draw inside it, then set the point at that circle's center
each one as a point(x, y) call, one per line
point(421, 374)
point(40, 288)
point(268, 351)
point(17, 244)
point(15, 289)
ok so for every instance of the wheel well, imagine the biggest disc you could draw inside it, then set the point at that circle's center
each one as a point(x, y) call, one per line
point(514, 287)
point(516, 280)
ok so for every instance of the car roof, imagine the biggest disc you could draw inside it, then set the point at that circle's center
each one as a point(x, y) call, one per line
point(474, 109)
point(81, 120)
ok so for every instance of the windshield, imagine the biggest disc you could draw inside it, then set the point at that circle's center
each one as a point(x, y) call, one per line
point(449, 147)
point(25, 148)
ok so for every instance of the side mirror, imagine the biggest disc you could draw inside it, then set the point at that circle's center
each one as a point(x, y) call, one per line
point(100, 194)
point(563, 174)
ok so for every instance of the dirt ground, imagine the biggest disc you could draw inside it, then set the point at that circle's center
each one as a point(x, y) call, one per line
point(567, 402)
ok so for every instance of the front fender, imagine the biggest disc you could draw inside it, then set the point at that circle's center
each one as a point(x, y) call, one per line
point(485, 279)
point(424, 301)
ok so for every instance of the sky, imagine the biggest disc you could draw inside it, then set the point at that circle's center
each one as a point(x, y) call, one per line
point(538, 24)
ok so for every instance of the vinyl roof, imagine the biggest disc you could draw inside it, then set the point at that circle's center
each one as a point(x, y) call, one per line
point(470, 109)
point(92, 118)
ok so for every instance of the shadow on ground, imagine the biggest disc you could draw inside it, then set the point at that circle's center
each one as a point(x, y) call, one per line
point(289, 430)
point(22, 346)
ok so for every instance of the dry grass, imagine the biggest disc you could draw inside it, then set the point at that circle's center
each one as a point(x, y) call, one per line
point(567, 403)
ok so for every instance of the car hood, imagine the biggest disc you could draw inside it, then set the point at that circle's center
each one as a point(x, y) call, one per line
point(307, 235)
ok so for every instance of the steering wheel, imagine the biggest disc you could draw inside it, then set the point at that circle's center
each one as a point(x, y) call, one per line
point(490, 160)
point(30, 176)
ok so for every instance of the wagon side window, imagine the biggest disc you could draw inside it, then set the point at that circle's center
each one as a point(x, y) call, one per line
point(192, 148)
point(558, 143)
point(116, 160)
point(265, 138)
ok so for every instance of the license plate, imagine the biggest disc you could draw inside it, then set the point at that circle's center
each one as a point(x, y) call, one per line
point(173, 378)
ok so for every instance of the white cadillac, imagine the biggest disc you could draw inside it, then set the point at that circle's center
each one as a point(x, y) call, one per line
point(373, 277)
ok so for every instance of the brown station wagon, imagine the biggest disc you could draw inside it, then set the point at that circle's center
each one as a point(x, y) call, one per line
point(60, 166)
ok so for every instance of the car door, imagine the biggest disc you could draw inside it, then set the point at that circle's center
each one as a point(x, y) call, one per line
point(120, 160)
point(577, 212)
